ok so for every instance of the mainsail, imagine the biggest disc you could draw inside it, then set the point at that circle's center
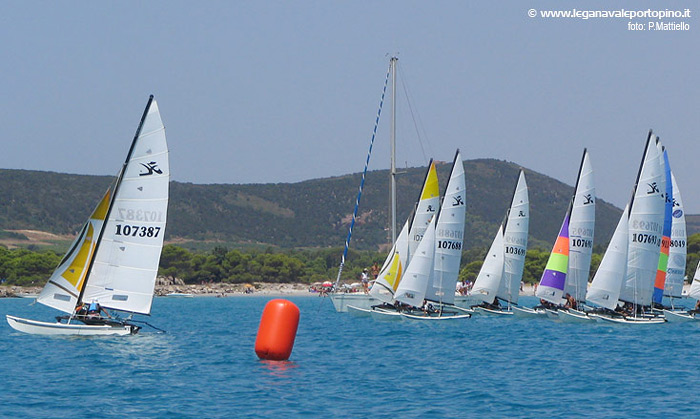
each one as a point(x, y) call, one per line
point(607, 282)
point(114, 260)
point(645, 226)
point(515, 242)
point(581, 231)
point(567, 269)
point(675, 271)
point(449, 233)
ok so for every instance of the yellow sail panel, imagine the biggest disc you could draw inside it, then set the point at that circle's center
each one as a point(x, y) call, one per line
point(75, 272)
point(393, 274)
point(431, 188)
point(100, 212)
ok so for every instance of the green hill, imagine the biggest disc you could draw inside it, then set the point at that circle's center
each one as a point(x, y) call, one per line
point(309, 214)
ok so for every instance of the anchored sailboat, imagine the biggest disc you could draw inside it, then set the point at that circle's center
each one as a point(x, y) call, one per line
point(114, 260)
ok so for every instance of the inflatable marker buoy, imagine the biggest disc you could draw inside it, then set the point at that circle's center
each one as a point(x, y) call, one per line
point(278, 328)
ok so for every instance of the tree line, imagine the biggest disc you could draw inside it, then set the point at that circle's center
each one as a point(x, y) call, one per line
point(28, 267)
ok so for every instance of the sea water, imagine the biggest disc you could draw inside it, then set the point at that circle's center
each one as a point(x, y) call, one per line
point(344, 366)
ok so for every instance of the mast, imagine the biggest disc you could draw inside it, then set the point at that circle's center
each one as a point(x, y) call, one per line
point(393, 62)
point(111, 199)
point(639, 173)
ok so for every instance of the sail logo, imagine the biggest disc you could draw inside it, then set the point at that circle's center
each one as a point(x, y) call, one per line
point(430, 209)
point(588, 199)
point(151, 168)
point(653, 188)
point(458, 201)
point(677, 213)
point(521, 213)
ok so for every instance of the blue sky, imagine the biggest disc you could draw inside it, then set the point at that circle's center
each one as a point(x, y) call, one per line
point(274, 91)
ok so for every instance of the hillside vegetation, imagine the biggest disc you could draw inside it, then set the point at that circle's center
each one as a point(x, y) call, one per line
point(310, 214)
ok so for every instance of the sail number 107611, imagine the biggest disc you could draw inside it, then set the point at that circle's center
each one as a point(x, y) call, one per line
point(137, 231)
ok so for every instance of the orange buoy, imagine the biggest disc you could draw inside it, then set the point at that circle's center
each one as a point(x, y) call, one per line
point(278, 328)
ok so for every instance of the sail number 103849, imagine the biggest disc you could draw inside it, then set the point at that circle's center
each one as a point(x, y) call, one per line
point(137, 231)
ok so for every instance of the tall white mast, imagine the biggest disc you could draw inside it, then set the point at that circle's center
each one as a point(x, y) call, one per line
point(393, 149)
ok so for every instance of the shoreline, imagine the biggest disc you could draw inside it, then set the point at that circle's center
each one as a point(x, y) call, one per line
point(226, 290)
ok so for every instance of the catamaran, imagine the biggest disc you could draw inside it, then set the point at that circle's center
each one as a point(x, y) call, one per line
point(113, 261)
point(565, 277)
point(502, 271)
point(630, 264)
point(427, 288)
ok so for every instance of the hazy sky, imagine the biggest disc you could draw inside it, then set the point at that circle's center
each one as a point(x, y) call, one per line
point(283, 91)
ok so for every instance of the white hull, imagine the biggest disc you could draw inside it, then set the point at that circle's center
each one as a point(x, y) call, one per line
point(361, 300)
point(574, 316)
point(490, 312)
point(466, 301)
point(435, 317)
point(358, 311)
point(34, 327)
point(679, 316)
point(552, 314)
point(528, 313)
point(385, 315)
point(179, 295)
point(630, 320)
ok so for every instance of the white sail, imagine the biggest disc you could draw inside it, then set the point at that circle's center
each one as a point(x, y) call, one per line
point(515, 242)
point(449, 234)
point(428, 205)
point(581, 230)
point(125, 265)
point(415, 279)
point(607, 282)
point(645, 226)
point(489, 279)
point(675, 271)
point(390, 275)
point(694, 291)
point(63, 287)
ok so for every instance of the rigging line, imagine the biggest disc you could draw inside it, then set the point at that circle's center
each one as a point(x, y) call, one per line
point(417, 122)
point(362, 182)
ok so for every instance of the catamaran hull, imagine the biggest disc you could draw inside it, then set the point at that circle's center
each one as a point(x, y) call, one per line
point(385, 315)
point(435, 317)
point(34, 327)
point(646, 321)
point(466, 301)
point(574, 316)
point(358, 311)
point(679, 316)
point(342, 300)
point(528, 313)
point(489, 312)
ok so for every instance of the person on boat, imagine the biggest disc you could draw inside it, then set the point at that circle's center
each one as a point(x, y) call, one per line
point(375, 271)
point(364, 278)
point(96, 310)
point(570, 301)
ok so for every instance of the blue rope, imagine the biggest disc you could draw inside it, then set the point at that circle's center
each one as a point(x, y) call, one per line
point(362, 183)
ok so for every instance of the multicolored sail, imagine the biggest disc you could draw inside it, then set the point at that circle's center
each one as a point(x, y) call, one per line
point(660, 280)
point(551, 287)
point(675, 272)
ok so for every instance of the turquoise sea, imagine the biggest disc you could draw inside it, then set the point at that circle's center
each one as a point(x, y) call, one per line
point(343, 366)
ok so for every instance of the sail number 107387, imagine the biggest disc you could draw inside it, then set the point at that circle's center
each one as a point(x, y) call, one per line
point(137, 231)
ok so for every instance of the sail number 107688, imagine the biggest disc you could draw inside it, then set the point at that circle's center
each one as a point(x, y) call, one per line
point(137, 231)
